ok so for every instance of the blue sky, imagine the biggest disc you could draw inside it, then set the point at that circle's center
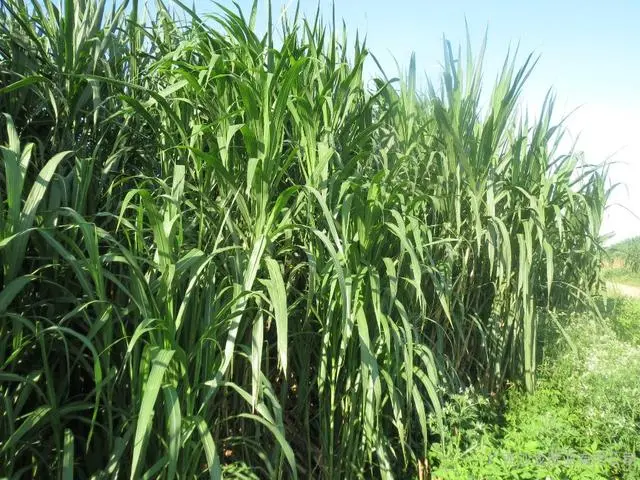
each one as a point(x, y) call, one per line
point(590, 56)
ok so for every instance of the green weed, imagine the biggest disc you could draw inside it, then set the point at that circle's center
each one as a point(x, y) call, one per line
point(582, 422)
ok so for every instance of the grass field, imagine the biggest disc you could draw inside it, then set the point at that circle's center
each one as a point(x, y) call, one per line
point(623, 262)
point(621, 276)
point(583, 422)
point(224, 255)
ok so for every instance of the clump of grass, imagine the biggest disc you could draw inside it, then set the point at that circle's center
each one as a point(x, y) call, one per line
point(626, 312)
point(223, 253)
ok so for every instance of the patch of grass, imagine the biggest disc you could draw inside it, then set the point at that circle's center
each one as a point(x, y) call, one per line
point(622, 275)
point(583, 421)
point(625, 315)
point(624, 258)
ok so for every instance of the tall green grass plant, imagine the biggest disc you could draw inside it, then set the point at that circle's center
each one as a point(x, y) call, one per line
point(224, 255)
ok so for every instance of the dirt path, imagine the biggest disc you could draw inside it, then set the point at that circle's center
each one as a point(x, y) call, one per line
point(626, 290)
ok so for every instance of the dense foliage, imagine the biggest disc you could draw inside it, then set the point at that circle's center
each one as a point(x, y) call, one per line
point(583, 421)
point(626, 255)
point(223, 253)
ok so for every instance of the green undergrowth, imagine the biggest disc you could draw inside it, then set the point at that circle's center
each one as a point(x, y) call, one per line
point(583, 421)
point(622, 275)
point(623, 264)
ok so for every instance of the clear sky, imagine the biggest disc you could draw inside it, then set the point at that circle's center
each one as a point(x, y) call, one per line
point(590, 56)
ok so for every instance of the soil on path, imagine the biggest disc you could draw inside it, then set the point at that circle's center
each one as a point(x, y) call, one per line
point(626, 290)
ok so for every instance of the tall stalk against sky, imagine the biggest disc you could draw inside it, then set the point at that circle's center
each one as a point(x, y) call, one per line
point(224, 255)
